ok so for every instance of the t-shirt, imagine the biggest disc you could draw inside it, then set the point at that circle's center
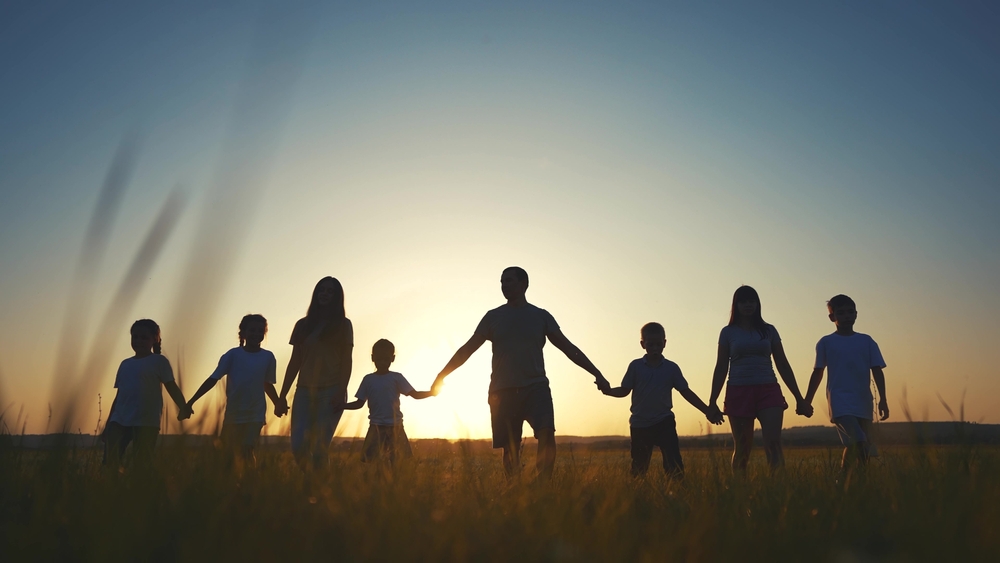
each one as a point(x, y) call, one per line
point(849, 361)
point(140, 399)
point(518, 336)
point(749, 355)
point(651, 389)
point(326, 353)
point(382, 391)
point(248, 372)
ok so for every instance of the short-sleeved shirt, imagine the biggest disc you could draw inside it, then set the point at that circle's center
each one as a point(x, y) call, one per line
point(849, 361)
point(749, 355)
point(326, 353)
point(382, 391)
point(248, 372)
point(518, 335)
point(651, 391)
point(140, 398)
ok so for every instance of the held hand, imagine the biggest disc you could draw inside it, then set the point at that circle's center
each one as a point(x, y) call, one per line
point(281, 407)
point(185, 412)
point(437, 385)
point(714, 415)
point(883, 410)
point(802, 408)
point(602, 384)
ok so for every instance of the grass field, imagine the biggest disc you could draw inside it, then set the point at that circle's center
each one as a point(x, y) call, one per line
point(451, 502)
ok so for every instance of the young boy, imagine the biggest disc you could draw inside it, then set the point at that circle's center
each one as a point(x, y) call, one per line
point(854, 360)
point(382, 390)
point(652, 377)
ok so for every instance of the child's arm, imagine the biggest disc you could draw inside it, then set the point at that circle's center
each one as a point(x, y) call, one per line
point(785, 371)
point(269, 390)
point(353, 405)
point(420, 394)
point(883, 406)
point(618, 391)
point(175, 393)
point(205, 387)
point(713, 414)
point(814, 380)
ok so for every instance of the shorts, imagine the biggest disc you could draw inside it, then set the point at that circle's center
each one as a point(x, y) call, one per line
point(853, 429)
point(510, 408)
point(661, 435)
point(241, 435)
point(745, 401)
point(385, 442)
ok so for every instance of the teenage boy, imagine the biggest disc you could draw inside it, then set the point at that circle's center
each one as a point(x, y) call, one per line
point(650, 379)
point(853, 359)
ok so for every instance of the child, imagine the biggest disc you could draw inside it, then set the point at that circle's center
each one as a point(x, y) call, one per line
point(652, 422)
point(251, 371)
point(854, 359)
point(382, 390)
point(138, 405)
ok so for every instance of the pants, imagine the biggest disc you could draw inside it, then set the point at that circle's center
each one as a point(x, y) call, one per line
point(314, 420)
point(663, 434)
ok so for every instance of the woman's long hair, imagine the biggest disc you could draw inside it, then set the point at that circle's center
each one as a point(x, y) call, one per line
point(333, 313)
point(746, 293)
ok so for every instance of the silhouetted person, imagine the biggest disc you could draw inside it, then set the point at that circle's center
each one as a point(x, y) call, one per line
point(650, 380)
point(386, 437)
point(746, 346)
point(251, 375)
point(138, 405)
point(321, 357)
point(519, 390)
point(853, 359)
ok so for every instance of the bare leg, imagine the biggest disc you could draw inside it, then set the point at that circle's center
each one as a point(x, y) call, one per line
point(742, 428)
point(512, 460)
point(770, 429)
point(546, 453)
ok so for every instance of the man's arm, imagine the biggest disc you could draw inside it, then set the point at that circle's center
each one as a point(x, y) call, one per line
point(575, 355)
point(461, 356)
point(883, 406)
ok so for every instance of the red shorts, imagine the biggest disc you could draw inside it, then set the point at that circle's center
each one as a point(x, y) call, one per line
point(745, 401)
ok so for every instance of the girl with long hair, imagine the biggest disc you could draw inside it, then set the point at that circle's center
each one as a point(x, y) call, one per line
point(322, 343)
point(746, 346)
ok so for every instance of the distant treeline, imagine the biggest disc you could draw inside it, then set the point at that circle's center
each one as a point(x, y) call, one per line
point(886, 434)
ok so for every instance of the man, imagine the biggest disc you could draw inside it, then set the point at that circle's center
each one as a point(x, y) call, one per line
point(519, 389)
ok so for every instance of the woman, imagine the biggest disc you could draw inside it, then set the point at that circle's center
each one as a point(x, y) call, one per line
point(746, 346)
point(322, 343)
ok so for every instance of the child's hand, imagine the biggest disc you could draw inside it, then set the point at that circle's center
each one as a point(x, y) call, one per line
point(714, 415)
point(804, 409)
point(185, 413)
point(883, 410)
point(603, 385)
point(281, 407)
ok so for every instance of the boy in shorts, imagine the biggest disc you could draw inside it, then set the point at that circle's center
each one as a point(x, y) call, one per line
point(650, 379)
point(853, 359)
point(381, 390)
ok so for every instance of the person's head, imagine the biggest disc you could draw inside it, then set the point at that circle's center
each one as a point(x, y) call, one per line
point(327, 300)
point(145, 337)
point(654, 338)
point(252, 330)
point(514, 282)
point(843, 311)
point(746, 307)
point(383, 354)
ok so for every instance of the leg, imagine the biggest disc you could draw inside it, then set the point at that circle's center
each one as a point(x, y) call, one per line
point(145, 443)
point(670, 448)
point(641, 451)
point(116, 439)
point(853, 433)
point(546, 459)
point(328, 417)
point(512, 451)
point(302, 421)
point(742, 428)
point(770, 429)
point(507, 427)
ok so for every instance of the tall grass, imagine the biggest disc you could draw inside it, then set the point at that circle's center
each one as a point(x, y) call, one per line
point(451, 502)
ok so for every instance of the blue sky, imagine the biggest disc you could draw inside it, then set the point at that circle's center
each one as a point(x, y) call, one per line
point(642, 160)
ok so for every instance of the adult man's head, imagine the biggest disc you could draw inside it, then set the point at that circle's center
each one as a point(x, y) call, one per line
point(514, 282)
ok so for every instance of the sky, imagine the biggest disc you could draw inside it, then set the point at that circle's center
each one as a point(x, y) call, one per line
point(192, 163)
